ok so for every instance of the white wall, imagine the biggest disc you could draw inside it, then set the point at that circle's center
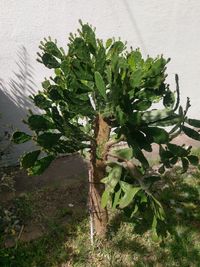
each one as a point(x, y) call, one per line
point(170, 27)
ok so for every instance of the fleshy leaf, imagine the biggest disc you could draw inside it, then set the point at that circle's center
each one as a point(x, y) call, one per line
point(39, 123)
point(40, 165)
point(191, 133)
point(194, 160)
point(41, 101)
point(178, 150)
point(169, 100)
point(20, 137)
point(125, 153)
point(194, 123)
point(116, 199)
point(185, 164)
point(105, 198)
point(113, 178)
point(108, 43)
point(129, 194)
point(29, 159)
point(156, 115)
point(50, 61)
point(48, 140)
point(100, 84)
point(160, 136)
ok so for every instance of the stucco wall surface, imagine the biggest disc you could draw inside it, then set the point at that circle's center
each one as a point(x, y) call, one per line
point(171, 28)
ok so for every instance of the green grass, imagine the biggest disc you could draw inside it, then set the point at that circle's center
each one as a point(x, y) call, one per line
point(123, 248)
point(69, 244)
point(47, 251)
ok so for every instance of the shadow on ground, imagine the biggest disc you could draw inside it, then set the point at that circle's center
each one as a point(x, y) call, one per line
point(181, 199)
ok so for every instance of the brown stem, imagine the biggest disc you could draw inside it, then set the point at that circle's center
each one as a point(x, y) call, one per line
point(97, 168)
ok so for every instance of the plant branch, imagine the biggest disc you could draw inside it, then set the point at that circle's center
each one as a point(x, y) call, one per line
point(117, 157)
point(111, 143)
point(178, 92)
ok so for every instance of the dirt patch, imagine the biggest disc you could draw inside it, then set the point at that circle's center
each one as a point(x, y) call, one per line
point(50, 207)
point(54, 198)
point(64, 170)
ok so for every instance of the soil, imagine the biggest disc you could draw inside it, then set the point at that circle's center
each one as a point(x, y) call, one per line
point(64, 170)
point(57, 196)
point(51, 206)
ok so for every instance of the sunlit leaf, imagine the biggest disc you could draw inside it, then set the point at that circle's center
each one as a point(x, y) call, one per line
point(108, 43)
point(116, 199)
point(129, 194)
point(105, 197)
point(124, 153)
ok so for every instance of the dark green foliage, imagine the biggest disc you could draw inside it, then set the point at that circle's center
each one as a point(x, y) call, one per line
point(94, 78)
point(194, 123)
point(29, 159)
point(40, 165)
point(100, 84)
point(191, 133)
point(194, 160)
point(40, 123)
point(20, 137)
point(48, 140)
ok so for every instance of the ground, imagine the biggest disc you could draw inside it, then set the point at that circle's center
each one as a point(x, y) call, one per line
point(47, 223)
point(48, 195)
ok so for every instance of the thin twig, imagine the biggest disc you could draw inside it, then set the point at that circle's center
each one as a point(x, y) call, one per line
point(20, 233)
point(178, 92)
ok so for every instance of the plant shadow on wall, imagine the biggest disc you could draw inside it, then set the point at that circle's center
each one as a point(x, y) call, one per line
point(14, 95)
point(22, 85)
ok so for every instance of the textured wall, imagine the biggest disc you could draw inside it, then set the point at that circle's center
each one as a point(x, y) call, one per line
point(170, 27)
